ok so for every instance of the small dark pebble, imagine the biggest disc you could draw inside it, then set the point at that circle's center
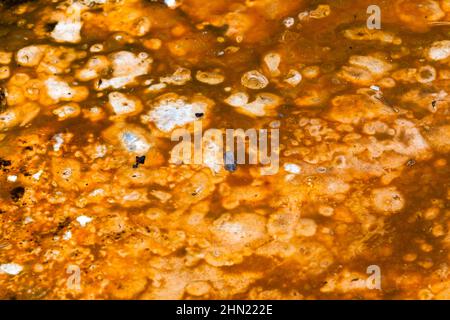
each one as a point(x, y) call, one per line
point(139, 160)
point(411, 162)
point(49, 27)
point(229, 162)
point(321, 170)
point(4, 163)
point(231, 167)
point(62, 224)
point(12, 3)
point(2, 99)
point(217, 30)
point(433, 104)
point(199, 114)
point(17, 193)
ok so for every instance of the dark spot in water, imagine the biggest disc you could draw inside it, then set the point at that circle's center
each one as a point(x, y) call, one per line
point(2, 99)
point(231, 167)
point(50, 26)
point(218, 30)
point(62, 225)
point(410, 162)
point(433, 104)
point(229, 162)
point(17, 193)
point(139, 160)
point(11, 3)
point(4, 163)
point(321, 170)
